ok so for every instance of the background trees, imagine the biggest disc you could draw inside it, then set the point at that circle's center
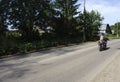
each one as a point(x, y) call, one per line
point(3, 16)
point(116, 28)
point(91, 24)
point(61, 16)
point(66, 17)
point(25, 15)
point(44, 23)
point(95, 23)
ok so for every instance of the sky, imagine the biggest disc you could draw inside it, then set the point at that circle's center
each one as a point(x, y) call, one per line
point(109, 9)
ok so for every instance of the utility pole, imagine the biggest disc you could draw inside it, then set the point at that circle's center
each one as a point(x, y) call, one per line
point(84, 6)
point(84, 14)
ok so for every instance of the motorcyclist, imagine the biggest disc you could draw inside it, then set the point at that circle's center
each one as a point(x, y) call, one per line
point(102, 42)
point(103, 38)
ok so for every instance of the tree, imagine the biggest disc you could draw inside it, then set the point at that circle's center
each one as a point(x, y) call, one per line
point(3, 16)
point(116, 28)
point(90, 23)
point(108, 29)
point(26, 14)
point(65, 17)
point(95, 23)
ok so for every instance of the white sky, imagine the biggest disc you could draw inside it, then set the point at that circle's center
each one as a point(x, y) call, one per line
point(109, 9)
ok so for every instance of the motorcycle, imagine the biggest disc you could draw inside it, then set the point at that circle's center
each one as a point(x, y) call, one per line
point(102, 45)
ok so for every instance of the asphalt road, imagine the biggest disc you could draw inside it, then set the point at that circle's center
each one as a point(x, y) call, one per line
point(78, 63)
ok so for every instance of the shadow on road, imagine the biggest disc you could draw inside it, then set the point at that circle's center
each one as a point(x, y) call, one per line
point(107, 48)
point(14, 70)
point(119, 48)
point(11, 71)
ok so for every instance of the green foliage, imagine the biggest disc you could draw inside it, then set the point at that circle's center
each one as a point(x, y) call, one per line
point(13, 34)
point(25, 47)
point(3, 16)
point(111, 36)
point(65, 17)
point(7, 46)
point(44, 23)
point(90, 22)
point(24, 15)
point(116, 28)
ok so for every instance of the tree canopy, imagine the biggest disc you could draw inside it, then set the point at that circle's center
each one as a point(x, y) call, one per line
point(90, 22)
point(45, 23)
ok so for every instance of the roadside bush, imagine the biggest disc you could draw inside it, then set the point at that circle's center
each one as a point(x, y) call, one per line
point(7, 47)
point(11, 46)
point(25, 47)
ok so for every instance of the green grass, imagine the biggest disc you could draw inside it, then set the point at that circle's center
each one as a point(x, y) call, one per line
point(111, 36)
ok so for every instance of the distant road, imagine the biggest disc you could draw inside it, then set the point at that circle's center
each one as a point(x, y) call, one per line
point(78, 63)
